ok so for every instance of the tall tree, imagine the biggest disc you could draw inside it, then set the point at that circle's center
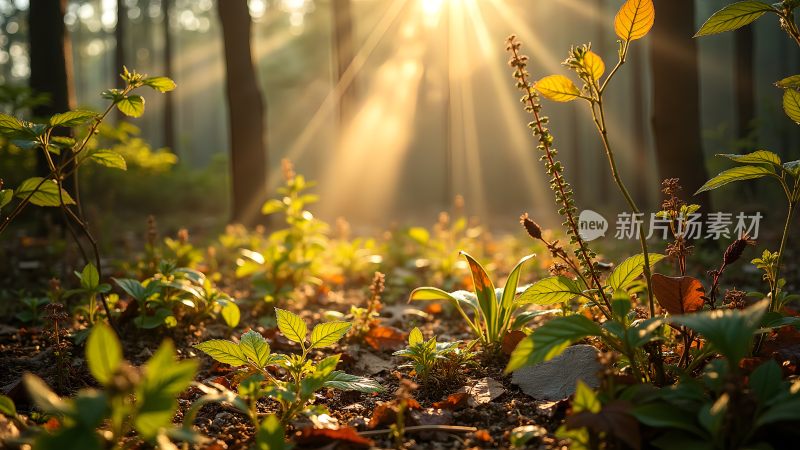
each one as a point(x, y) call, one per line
point(119, 37)
point(169, 104)
point(50, 56)
point(246, 112)
point(343, 50)
point(676, 96)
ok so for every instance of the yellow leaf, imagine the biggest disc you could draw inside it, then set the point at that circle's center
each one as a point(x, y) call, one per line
point(594, 64)
point(635, 19)
point(557, 88)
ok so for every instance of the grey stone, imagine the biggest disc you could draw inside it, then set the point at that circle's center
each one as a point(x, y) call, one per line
point(556, 379)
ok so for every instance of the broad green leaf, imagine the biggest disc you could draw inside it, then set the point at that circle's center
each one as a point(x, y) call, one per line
point(789, 82)
point(631, 269)
point(90, 278)
point(484, 290)
point(766, 381)
point(161, 84)
point(787, 410)
point(733, 16)
point(793, 167)
point(791, 104)
point(42, 396)
point(108, 158)
point(585, 399)
point(557, 88)
point(328, 333)
point(728, 331)
point(270, 434)
point(735, 174)
point(509, 292)
point(346, 382)
point(132, 287)
point(271, 207)
point(594, 63)
point(103, 353)
point(549, 340)
point(549, 291)
point(72, 118)
point(132, 105)
point(757, 157)
point(223, 351)
point(415, 337)
point(634, 19)
point(5, 197)
point(46, 195)
point(255, 347)
point(11, 127)
point(230, 312)
point(291, 325)
point(7, 407)
point(431, 293)
point(665, 415)
point(163, 381)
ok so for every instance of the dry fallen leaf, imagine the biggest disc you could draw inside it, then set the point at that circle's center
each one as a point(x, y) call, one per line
point(385, 338)
point(483, 391)
point(678, 295)
point(314, 437)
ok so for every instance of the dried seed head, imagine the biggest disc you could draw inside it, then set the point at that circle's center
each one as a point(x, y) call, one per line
point(735, 299)
point(342, 228)
point(288, 169)
point(378, 285)
point(55, 312)
point(183, 236)
point(533, 228)
point(735, 250)
point(55, 285)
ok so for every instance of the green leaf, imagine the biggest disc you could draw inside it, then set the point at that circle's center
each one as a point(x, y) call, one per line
point(509, 291)
point(549, 291)
point(766, 381)
point(90, 277)
point(103, 353)
point(733, 16)
point(549, 340)
point(42, 396)
point(665, 415)
point(107, 158)
point(163, 381)
point(72, 118)
point(789, 82)
point(230, 312)
point(270, 434)
point(271, 207)
point(756, 157)
point(791, 104)
point(735, 174)
point(291, 325)
point(346, 382)
point(46, 195)
point(793, 167)
point(7, 407)
point(328, 333)
point(132, 287)
point(585, 399)
point(415, 337)
point(5, 197)
point(785, 411)
point(419, 235)
point(13, 128)
point(484, 290)
point(255, 347)
point(223, 351)
point(131, 106)
point(161, 84)
point(631, 269)
point(728, 331)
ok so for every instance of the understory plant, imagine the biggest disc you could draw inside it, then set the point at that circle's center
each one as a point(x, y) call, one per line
point(131, 399)
point(65, 154)
point(431, 359)
point(301, 377)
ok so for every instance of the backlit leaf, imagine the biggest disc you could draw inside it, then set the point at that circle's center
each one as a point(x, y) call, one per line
point(103, 353)
point(415, 337)
point(595, 64)
point(346, 382)
point(291, 325)
point(45, 195)
point(756, 157)
point(789, 82)
point(132, 105)
point(270, 434)
point(230, 312)
point(630, 269)
point(634, 19)
point(161, 84)
point(550, 340)
point(733, 16)
point(223, 351)
point(557, 88)
point(255, 347)
point(72, 118)
point(108, 158)
point(791, 104)
point(549, 291)
point(328, 333)
point(678, 295)
point(735, 174)
point(5, 197)
point(7, 407)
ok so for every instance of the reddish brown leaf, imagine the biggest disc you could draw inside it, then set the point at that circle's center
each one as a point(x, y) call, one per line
point(511, 339)
point(315, 437)
point(52, 424)
point(454, 402)
point(434, 308)
point(386, 413)
point(483, 435)
point(385, 338)
point(678, 295)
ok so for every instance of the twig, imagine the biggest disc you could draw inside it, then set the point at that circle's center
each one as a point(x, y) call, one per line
point(445, 428)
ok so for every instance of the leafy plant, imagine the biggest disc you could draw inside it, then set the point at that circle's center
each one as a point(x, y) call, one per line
point(141, 400)
point(428, 358)
point(32, 312)
point(161, 296)
point(305, 377)
point(493, 311)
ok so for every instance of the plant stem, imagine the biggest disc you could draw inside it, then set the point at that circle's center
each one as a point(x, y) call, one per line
point(784, 238)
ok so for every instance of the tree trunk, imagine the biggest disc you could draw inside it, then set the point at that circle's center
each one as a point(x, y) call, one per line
point(169, 105)
point(343, 50)
point(676, 97)
point(639, 123)
point(246, 108)
point(50, 56)
point(119, 37)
